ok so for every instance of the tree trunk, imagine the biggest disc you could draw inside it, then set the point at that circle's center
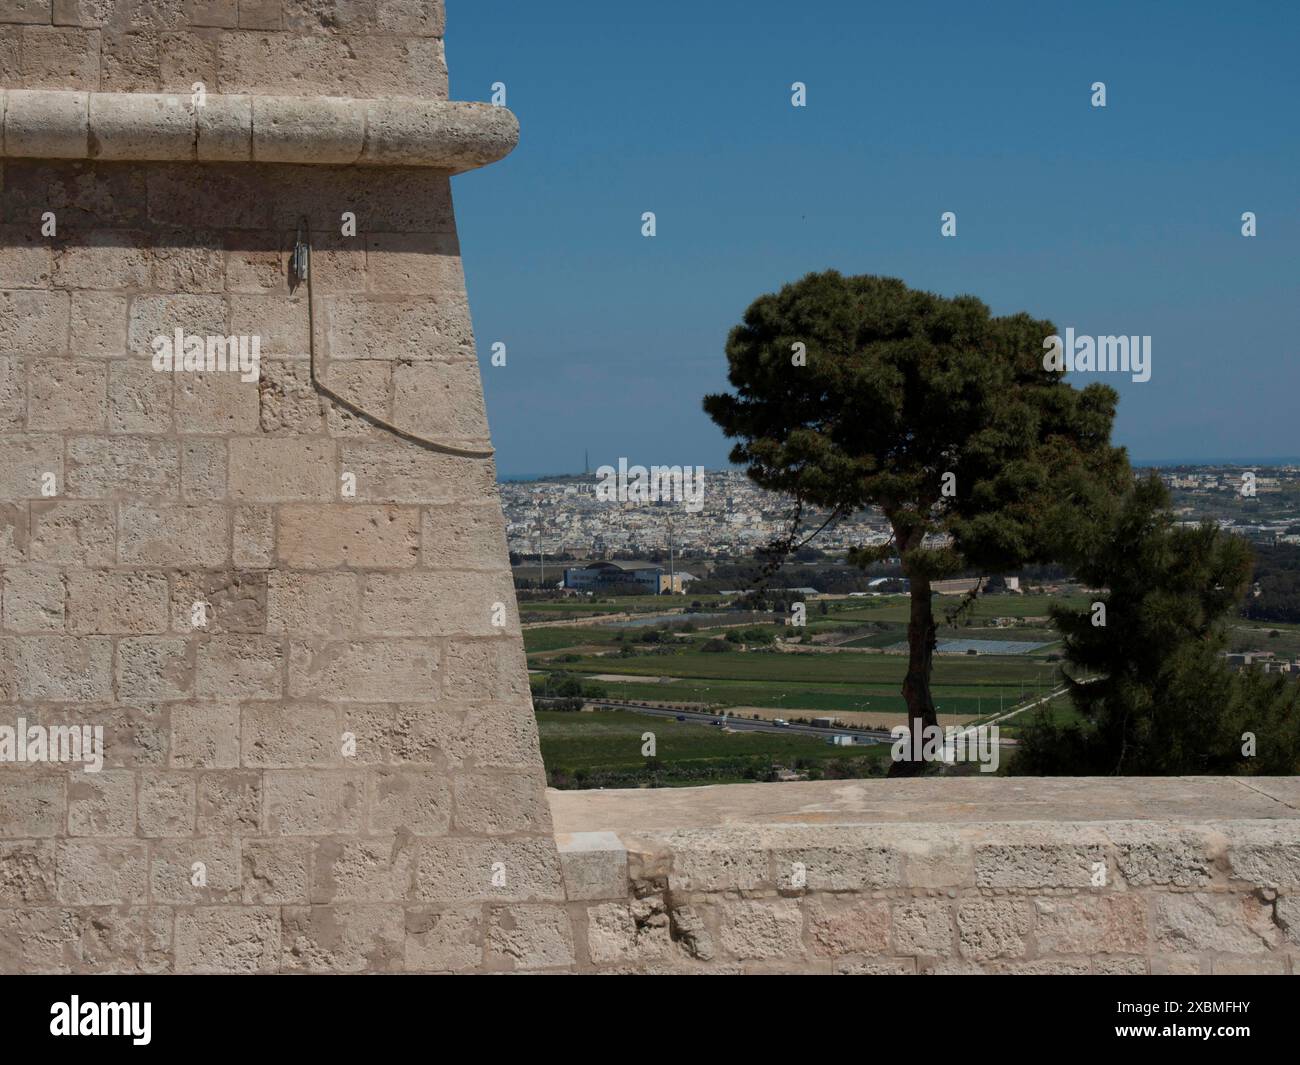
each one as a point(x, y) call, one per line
point(916, 685)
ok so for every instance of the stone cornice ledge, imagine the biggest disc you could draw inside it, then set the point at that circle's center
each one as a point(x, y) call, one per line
point(323, 130)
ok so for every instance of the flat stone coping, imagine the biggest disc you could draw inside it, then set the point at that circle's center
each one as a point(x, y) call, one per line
point(217, 128)
point(928, 801)
point(953, 834)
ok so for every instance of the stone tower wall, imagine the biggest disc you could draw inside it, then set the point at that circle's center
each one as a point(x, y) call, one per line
point(336, 768)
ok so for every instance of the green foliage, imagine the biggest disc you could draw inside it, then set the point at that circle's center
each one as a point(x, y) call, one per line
point(564, 685)
point(901, 387)
point(1277, 572)
point(935, 411)
point(1156, 695)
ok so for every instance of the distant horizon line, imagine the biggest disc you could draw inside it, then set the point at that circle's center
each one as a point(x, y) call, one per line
point(1269, 460)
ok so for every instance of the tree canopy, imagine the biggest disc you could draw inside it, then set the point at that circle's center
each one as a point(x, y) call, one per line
point(858, 391)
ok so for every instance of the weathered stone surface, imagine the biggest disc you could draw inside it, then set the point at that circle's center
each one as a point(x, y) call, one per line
point(228, 939)
point(529, 937)
point(762, 929)
point(347, 938)
point(1237, 924)
point(923, 927)
point(1093, 924)
point(443, 940)
point(849, 926)
point(628, 932)
point(594, 865)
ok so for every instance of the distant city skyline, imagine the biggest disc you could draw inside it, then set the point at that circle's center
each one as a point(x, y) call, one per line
point(1117, 220)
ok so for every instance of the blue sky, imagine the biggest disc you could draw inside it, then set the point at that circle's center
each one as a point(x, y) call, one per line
point(1121, 220)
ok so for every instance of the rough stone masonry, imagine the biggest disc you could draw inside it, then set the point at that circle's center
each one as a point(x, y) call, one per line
point(295, 626)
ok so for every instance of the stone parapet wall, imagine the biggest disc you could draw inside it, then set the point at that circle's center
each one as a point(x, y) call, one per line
point(872, 878)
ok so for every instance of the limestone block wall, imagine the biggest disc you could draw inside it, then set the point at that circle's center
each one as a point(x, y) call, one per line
point(361, 48)
point(295, 627)
point(1111, 876)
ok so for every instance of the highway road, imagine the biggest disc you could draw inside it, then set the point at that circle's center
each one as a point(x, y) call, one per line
point(745, 724)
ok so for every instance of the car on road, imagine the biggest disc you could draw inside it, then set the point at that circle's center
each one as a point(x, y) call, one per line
point(681, 717)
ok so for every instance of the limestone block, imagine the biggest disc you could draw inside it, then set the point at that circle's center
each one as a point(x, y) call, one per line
point(205, 735)
point(994, 928)
point(1028, 857)
point(182, 534)
point(762, 929)
point(443, 940)
point(274, 871)
point(228, 939)
point(501, 803)
point(31, 601)
point(485, 669)
point(27, 872)
point(347, 938)
point(29, 11)
point(224, 128)
point(189, 872)
point(46, 125)
point(323, 129)
point(102, 804)
point(529, 937)
point(63, 668)
point(1266, 854)
point(267, 470)
point(108, 602)
point(98, 326)
point(317, 603)
point(229, 803)
point(619, 932)
point(389, 670)
point(1193, 923)
point(445, 603)
point(323, 537)
point(137, 467)
point(411, 802)
point(240, 666)
point(594, 865)
point(139, 400)
point(35, 323)
point(362, 870)
point(277, 736)
point(135, 125)
point(31, 806)
point(848, 926)
point(1092, 924)
point(923, 927)
point(166, 803)
point(63, 531)
point(155, 667)
point(456, 870)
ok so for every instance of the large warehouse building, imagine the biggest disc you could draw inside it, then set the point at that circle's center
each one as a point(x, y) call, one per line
point(603, 576)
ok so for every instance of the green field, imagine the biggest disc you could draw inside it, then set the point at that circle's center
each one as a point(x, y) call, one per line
point(978, 671)
point(587, 750)
point(604, 748)
point(558, 639)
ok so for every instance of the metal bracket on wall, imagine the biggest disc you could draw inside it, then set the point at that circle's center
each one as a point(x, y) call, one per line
point(300, 272)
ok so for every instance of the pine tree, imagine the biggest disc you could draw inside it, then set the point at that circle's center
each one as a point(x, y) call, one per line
point(859, 391)
point(1155, 692)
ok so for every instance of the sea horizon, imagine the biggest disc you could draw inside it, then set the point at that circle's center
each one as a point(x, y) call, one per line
point(1268, 460)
